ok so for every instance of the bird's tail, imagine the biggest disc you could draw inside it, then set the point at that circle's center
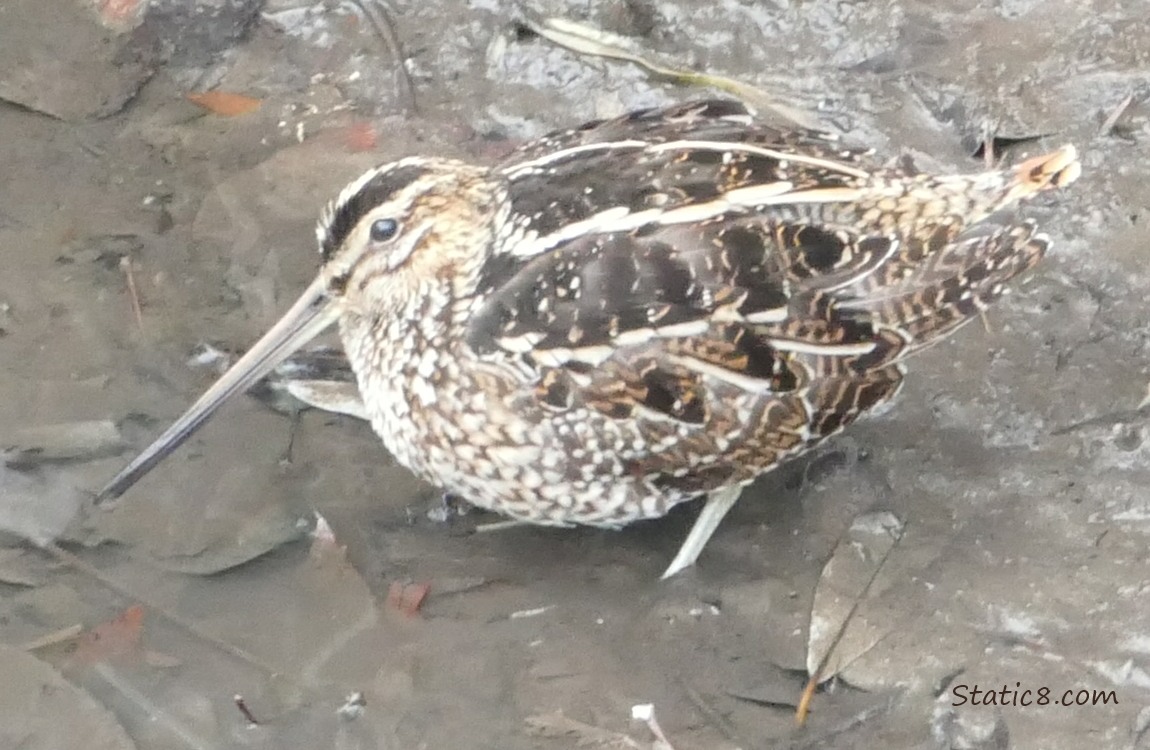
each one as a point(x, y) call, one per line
point(970, 274)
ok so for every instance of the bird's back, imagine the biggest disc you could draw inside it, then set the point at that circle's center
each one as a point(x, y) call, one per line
point(697, 296)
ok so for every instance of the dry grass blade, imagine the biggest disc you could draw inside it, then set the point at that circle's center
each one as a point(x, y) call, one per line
point(586, 40)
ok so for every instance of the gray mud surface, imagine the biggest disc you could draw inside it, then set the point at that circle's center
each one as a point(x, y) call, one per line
point(1017, 458)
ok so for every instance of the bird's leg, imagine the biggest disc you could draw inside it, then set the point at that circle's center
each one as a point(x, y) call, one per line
point(718, 503)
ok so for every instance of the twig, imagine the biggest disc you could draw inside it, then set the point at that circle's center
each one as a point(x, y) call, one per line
point(246, 712)
point(51, 639)
point(381, 21)
point(1116, 115)
point(133, 294)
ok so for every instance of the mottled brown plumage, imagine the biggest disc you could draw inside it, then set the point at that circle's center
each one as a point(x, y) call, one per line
point(631, 314)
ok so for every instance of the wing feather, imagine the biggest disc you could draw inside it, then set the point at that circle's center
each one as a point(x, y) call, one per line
point(693, 269)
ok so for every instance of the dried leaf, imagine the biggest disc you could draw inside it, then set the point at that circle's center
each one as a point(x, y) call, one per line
point(407, 598)
point(587, 40)
point(224, 103)
point(360, 136)
point(111, 640)
point(119, 13)
point(253, 538)
point(838, 633)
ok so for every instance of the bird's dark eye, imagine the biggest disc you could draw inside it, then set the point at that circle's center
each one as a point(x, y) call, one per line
point(383, 230)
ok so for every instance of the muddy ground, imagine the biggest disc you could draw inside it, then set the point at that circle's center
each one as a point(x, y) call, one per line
point(1016, 458)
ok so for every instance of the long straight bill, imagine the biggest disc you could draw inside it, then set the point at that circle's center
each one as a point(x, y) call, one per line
point(312, 313)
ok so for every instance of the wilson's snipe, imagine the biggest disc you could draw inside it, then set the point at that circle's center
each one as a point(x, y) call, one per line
point(640, 311)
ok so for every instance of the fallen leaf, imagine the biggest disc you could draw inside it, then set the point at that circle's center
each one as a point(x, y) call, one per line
point(360, 136)
point(224, 103)
point(839, 633)
point(254, 538)
point(119, 12)
point(407, 598)
point(111, 640)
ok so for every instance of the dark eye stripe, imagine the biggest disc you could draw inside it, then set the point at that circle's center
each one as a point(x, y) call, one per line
point(375, 191)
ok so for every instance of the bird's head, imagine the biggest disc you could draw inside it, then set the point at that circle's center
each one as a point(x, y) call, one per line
point(389, 233)
point(400, 226)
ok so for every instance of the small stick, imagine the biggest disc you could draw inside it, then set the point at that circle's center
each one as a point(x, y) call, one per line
point(1116, 115)
point(988, 155)
point(244, 710)
point(51, 639)
point(133, 294)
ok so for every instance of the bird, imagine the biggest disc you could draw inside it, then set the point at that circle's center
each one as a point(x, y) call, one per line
point(640, 311)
